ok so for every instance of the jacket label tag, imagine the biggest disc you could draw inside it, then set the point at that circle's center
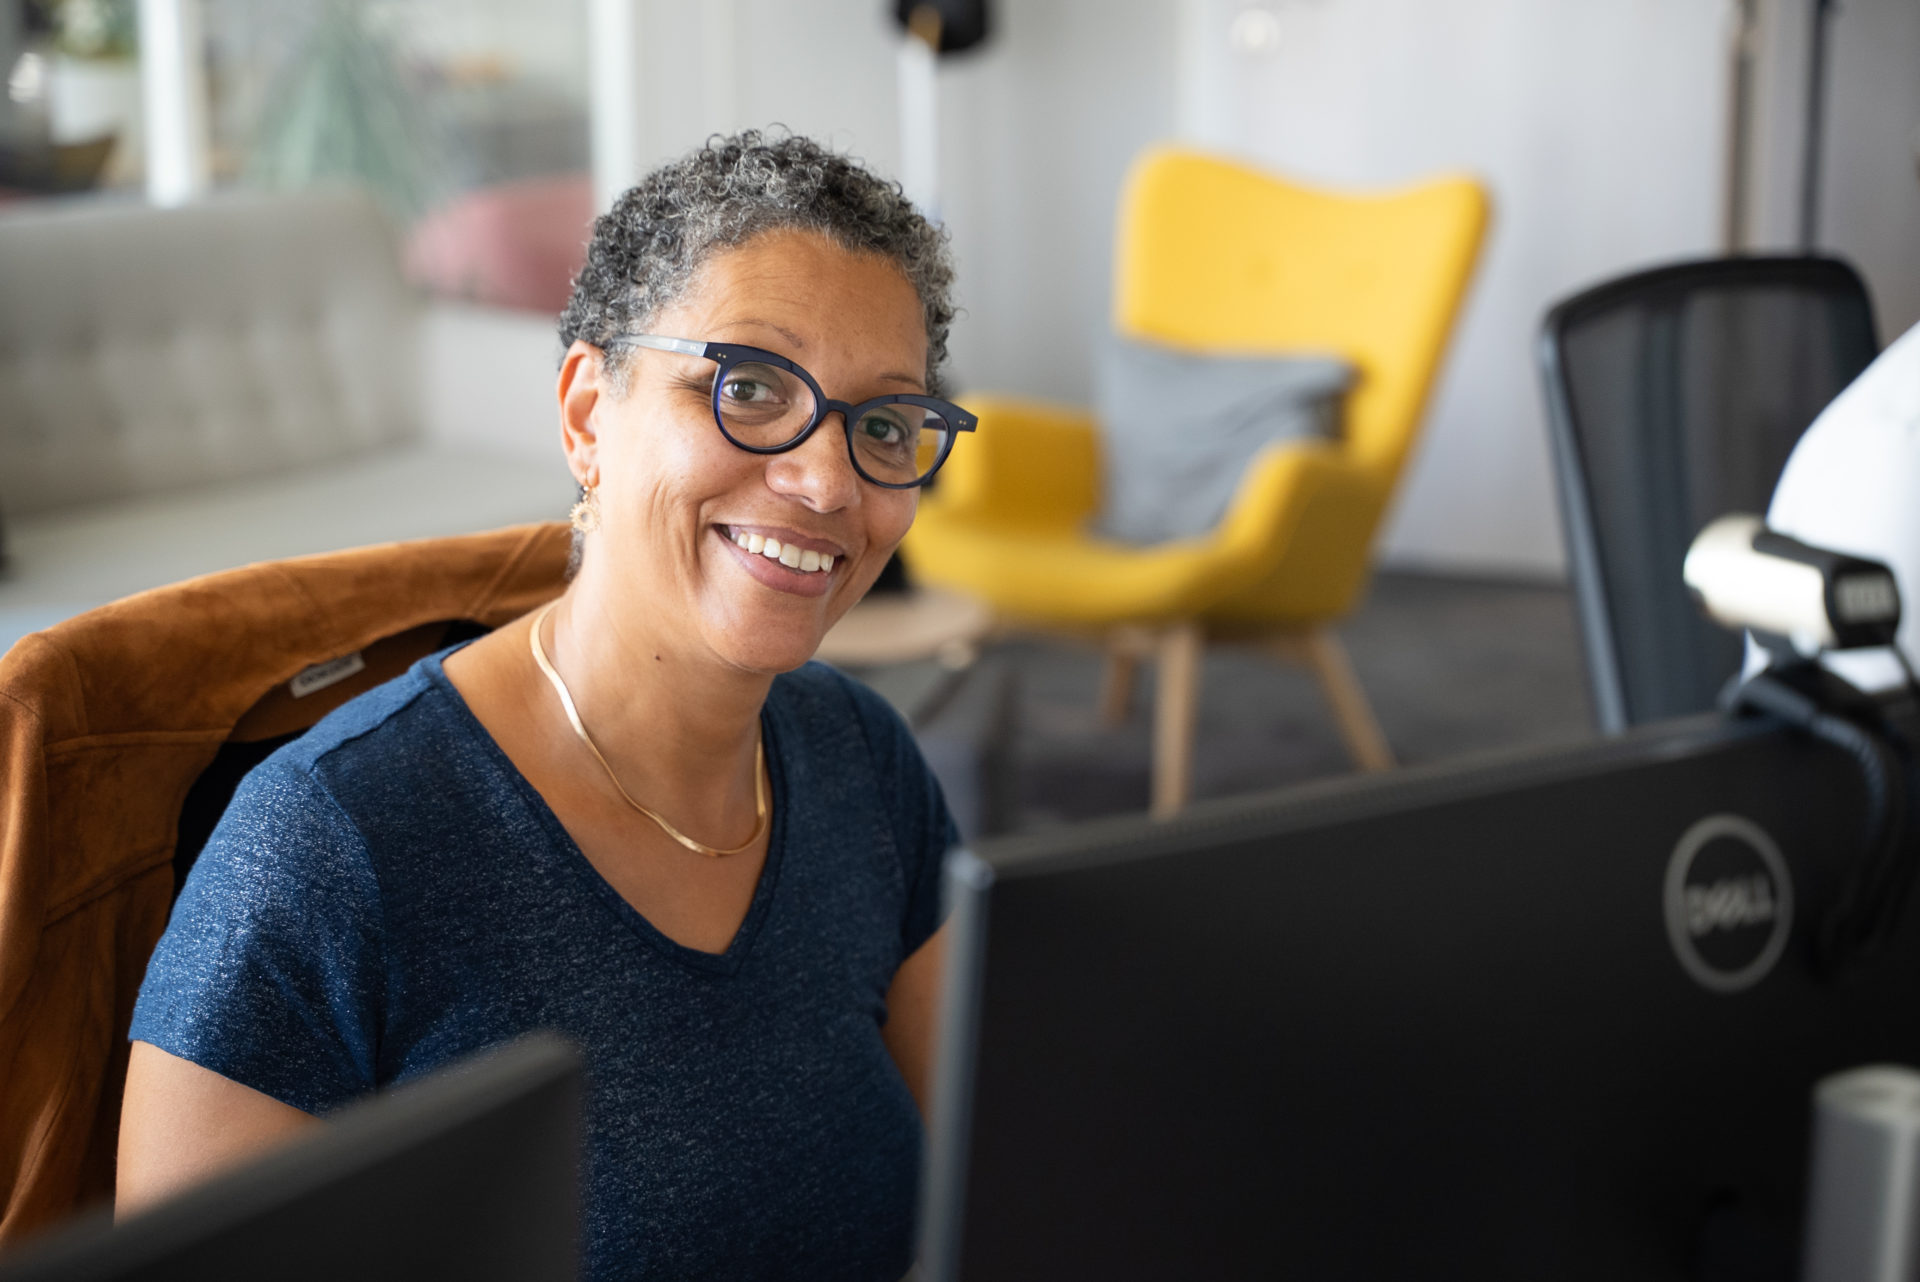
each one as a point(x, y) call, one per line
point(322, 675)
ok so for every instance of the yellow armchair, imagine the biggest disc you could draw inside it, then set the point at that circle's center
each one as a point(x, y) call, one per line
point(1212, 255)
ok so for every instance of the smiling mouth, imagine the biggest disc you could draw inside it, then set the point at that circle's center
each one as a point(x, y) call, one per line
point(803, 560)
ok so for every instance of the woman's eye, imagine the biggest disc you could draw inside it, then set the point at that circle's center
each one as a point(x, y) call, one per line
point(749, 390)
point(884, 430)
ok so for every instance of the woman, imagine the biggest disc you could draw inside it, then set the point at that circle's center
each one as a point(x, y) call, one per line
point(635, 817)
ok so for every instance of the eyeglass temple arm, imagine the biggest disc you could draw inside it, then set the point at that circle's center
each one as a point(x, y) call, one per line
point(685, 346)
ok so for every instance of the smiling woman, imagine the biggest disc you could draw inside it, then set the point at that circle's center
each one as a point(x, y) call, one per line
point(640, 816)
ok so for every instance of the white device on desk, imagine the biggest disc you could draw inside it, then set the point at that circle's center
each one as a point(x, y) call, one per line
point(1800, 602)
point(1747, 576)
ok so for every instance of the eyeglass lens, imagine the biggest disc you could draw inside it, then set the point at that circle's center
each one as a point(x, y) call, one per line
point(764, 406)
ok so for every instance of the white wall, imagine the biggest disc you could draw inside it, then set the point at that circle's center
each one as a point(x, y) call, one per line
point(824, 68)
point(1037, 129)
point(1038, 132)
point(1598, 128)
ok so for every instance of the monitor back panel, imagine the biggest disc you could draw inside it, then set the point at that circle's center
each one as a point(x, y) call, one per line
point(470, 1173)
point(1438, 1028)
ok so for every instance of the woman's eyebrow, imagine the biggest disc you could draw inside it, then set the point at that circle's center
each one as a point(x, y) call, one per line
point(781, 330)
point(911, 380)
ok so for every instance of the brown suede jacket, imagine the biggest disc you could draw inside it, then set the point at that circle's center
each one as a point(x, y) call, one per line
point(106, 721)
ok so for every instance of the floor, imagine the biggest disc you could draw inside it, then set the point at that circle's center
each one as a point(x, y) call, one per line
point(1452, 665)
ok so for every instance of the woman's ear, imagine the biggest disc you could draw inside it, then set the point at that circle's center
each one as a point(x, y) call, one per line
point(581, 388)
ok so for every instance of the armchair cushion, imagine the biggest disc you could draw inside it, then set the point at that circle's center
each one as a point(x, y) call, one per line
point(1031, 466)
point(1179, 430)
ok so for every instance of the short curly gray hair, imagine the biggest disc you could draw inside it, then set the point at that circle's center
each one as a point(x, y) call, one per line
point(647, 248)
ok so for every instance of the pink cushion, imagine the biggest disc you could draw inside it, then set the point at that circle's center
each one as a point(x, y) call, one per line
point(515, 245)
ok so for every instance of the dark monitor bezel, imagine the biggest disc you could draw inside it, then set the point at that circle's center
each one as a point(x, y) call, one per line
point(524, 1098)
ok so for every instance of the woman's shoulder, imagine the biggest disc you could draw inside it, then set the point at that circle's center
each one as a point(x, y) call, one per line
point(821, 699)
point(384, 722)
point(396, 741)
point(373, 776)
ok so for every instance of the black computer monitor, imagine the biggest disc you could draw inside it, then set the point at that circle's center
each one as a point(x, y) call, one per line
point(1547, 1016)
point(472, 1173)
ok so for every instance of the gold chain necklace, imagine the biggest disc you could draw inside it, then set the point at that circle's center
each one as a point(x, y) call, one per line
point(573, 715)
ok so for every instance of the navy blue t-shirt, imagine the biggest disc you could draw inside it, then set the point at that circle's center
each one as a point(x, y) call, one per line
point(388, 893)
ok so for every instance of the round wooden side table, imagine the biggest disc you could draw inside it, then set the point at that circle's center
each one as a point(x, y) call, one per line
point(906, 627)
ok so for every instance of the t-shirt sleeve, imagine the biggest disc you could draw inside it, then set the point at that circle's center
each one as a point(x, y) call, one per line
point(270, 972)
point(924, 830)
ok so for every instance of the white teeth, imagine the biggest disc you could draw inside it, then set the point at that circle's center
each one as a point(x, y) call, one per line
point(806, 560)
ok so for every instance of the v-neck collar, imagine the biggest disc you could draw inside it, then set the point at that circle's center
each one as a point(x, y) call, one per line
point(568, 851)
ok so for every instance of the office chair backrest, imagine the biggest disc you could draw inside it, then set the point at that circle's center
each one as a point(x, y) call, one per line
point(122, 734)
point(1216, 255)
point(1674, 396)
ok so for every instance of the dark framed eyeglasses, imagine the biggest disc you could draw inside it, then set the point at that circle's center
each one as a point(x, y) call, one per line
point(766, 404)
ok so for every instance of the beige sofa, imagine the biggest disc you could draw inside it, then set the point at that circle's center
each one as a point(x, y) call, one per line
point(188, 390)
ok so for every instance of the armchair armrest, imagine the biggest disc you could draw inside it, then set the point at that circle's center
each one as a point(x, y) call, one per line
point(1289, 490)
point(1028, 465)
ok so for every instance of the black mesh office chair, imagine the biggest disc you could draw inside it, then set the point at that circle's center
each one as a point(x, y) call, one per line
point(1674, 396)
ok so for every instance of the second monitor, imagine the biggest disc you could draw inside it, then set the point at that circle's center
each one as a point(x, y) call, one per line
point(1549, 1016)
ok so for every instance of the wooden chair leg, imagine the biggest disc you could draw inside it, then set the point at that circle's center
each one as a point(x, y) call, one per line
point(1126, 646)
point(1116, 686)
point(1176, 701)
point(1351, 711)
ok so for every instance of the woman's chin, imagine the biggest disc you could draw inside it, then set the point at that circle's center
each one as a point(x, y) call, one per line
point(769, 653)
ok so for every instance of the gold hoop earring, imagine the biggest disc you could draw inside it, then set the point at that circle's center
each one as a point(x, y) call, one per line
point(585, 516)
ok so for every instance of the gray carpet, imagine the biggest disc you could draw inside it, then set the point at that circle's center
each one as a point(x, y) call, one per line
point(1452, 666)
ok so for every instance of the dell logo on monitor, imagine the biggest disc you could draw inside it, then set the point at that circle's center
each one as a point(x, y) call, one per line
point(1729, 903)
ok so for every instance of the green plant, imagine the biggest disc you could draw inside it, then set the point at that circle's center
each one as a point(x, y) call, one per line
point(95, 28)
point(343, 109)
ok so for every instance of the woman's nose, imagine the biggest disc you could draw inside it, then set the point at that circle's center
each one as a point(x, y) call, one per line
point(818, 471)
